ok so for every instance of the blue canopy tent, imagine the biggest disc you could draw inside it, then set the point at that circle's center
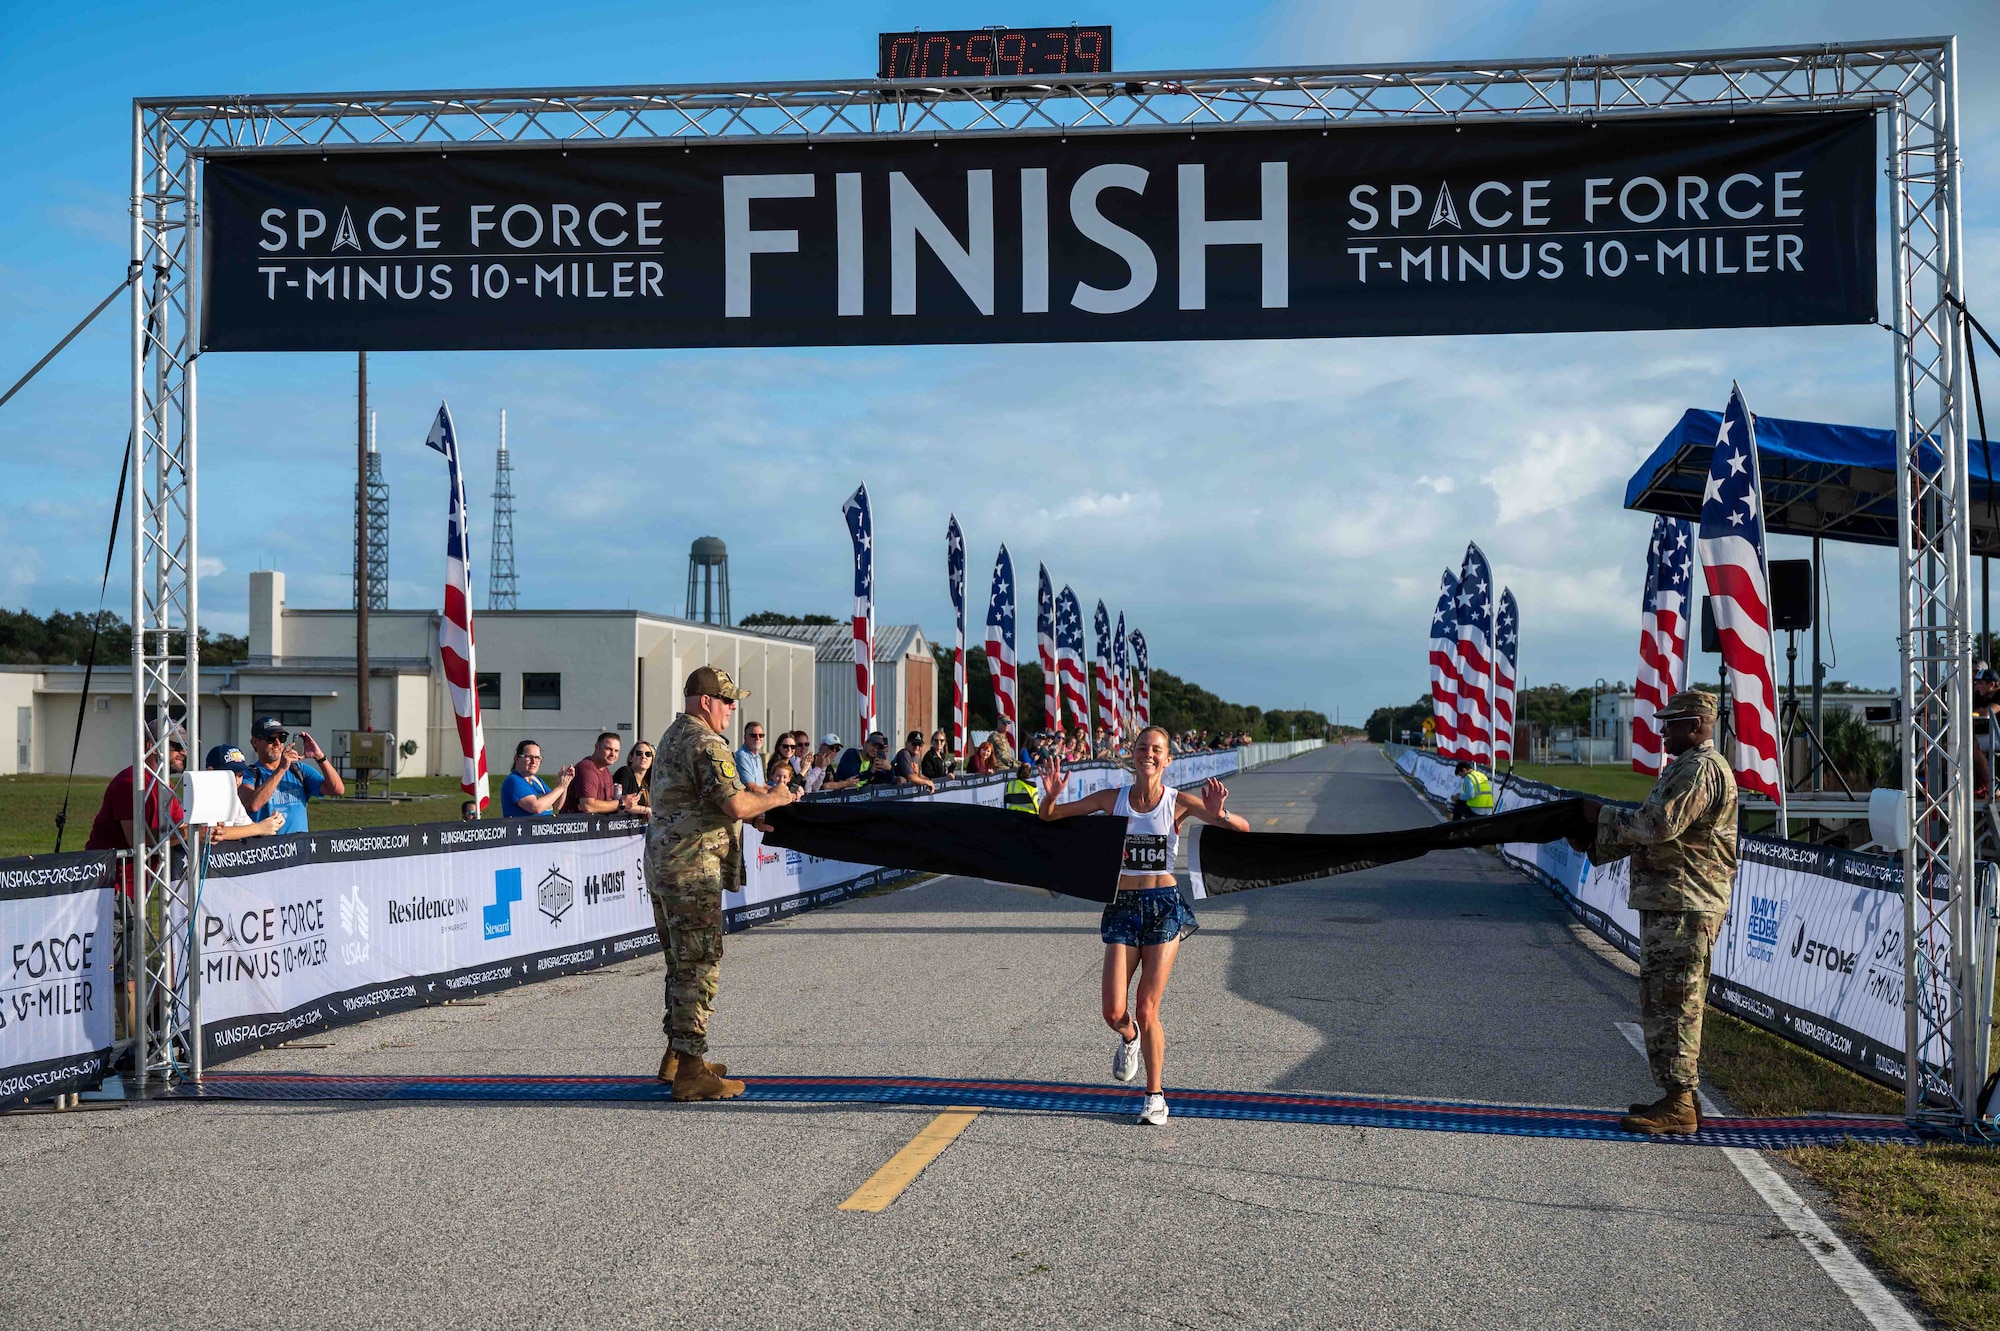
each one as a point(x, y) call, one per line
point(1831, 481)
point(1826, 482)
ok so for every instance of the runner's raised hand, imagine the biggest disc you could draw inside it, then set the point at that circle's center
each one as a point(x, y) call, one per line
point(1213, 795)
point(1054, 779)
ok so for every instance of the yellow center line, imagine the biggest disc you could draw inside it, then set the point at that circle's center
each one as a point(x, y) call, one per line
point(888, 1182)
point(1270, 822)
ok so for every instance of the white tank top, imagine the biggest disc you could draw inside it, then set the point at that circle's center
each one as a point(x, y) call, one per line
point(1150, 839)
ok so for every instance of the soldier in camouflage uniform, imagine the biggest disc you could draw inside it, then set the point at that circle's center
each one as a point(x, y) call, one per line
point(694, 850)
point(1682, 841)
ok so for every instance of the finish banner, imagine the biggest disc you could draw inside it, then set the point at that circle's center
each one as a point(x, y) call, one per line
point(1753, 220)
point(56, 952)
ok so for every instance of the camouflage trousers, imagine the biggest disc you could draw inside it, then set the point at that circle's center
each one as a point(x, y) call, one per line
point(1674, 951)
point(687, 906)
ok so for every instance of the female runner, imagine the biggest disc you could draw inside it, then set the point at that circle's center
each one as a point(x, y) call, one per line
point(1144, 924)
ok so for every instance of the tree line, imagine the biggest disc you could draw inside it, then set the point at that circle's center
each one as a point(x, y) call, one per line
point(62, 637)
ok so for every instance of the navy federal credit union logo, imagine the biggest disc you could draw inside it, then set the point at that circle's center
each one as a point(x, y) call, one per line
point(499, 917)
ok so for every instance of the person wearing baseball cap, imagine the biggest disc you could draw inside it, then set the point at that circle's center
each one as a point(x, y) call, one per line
point(286, 775)
point(239, 824)
point(1682, 842)
point(694, 851)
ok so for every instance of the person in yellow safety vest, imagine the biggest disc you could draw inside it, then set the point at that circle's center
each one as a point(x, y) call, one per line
point(1475, 793)
point(1022, 795)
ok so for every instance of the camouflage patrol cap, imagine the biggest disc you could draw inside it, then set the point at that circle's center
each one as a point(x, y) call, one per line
point(710, 682)
point(1688, 703)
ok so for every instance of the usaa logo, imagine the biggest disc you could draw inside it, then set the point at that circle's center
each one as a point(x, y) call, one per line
point(1767, 916)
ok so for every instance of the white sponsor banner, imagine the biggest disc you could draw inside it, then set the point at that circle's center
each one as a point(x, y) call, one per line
point(56, 992)
point(1812, 946)
point(405, 923)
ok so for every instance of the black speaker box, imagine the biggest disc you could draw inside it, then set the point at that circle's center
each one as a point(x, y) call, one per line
point(1791, 593)
point(1711, 641)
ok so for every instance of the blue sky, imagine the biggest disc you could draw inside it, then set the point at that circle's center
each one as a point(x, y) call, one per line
point(1274, 515)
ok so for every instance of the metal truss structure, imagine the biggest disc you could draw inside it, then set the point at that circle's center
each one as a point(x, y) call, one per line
point(1947, 933)
point(375, 505)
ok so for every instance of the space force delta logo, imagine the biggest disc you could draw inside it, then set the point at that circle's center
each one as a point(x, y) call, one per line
point(555, 894)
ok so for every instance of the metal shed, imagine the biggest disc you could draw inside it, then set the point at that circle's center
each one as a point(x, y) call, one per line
point(905, 679)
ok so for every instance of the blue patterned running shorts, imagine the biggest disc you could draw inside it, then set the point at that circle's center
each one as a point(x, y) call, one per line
point(1148, 917)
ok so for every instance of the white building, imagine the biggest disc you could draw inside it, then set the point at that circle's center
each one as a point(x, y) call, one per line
point(1611, 719)
point(905, 680)
point(560, 677)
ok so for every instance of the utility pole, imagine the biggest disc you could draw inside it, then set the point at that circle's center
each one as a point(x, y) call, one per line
point(363, 720)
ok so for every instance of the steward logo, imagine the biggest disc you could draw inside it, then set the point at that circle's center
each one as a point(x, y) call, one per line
point(498, 918)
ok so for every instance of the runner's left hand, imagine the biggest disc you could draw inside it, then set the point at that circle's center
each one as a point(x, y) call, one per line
point(1213, 795)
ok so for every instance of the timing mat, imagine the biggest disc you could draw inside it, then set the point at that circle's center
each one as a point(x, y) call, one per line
point(1365, 1111)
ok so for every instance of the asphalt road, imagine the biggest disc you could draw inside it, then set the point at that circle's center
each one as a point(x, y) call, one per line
point(1450, 976)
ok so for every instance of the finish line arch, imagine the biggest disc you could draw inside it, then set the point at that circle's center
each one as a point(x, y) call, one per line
point(1536, 195)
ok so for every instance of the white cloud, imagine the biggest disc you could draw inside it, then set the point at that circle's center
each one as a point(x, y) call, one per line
point(1122, 504)
point(1443, 485)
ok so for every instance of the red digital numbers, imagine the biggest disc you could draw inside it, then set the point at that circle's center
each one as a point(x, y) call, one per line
point(1014, 47)
point(1055, 59)
point(994, 52)
point(1088, 50)
point(942, 45)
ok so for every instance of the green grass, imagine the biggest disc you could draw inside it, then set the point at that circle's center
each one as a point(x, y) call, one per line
point(1928, 1215)
point(28, 807)
point(1618, 782)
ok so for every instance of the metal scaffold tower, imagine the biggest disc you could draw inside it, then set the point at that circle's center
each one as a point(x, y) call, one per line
point(502, 592)
point(1910, 84)
point(377, 510)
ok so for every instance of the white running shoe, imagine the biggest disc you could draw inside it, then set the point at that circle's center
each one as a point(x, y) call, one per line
point(1125, 1063)
point(1155, 1111)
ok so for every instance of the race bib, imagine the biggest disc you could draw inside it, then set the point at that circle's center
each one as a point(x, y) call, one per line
point(1147, 853)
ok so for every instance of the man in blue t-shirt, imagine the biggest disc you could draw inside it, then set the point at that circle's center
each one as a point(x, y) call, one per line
point(286, 775)
point(524, 794)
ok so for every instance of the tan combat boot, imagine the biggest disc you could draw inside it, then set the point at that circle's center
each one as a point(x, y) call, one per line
point(696, 1080)
point(670, 1063)
point(1677, 1114)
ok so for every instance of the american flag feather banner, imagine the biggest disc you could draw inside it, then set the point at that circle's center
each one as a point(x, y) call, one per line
point(1663, 637)
point(1100, 669)
point(1000, 646)
point(1506, 648)
point(1142, 682)
point(1444, 667)
point(1121, 676)
point(1069, 656)
point(954, 560)
point(1731, 546)
point(861, 528)
point(1045, 645)
point(455, 647)
point(1475, 658)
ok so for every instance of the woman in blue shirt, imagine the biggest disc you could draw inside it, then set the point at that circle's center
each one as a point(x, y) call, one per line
point(524, 794)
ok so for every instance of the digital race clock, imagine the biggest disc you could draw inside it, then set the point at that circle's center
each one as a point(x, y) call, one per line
point(992, 52)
